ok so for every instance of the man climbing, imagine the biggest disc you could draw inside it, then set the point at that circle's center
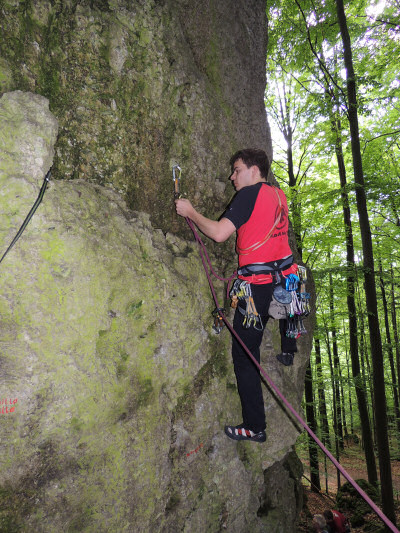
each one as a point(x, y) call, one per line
point(259, 214)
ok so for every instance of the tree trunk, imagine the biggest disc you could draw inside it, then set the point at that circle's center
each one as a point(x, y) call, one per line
point(394, 327)
point(334, 408)
point(369, 278)
point(349, 382)
point(336, 366)
point(390, 350)
point(287, 131)
point(359, 383)
point(311, 421)
point(333, 106)
point(323, 414)
point(365, 377)
point(342, 403)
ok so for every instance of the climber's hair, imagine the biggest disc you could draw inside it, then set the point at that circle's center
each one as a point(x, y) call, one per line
point(319, 520)
point(250, 157)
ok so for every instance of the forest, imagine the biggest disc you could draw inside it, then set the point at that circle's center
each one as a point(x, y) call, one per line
point(333, 102)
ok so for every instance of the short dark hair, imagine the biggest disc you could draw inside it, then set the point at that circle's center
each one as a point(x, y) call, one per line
point(250, 157)
point(328, 514)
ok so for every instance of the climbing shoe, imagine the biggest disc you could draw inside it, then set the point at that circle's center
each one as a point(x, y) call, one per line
point(240, 433)
point(286, 358)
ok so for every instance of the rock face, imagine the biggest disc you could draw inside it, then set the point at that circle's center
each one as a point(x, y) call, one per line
point(114, 389)
point(137, 86)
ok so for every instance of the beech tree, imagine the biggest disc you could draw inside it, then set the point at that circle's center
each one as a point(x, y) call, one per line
point(338, 112)
point(369, 274)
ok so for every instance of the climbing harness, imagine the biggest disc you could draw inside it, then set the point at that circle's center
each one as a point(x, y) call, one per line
point(290, 303)
point(207, 265)
point(30, 214)
point(265, 268)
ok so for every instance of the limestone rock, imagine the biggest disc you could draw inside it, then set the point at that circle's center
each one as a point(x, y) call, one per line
point(137, 85)
point(119, 390)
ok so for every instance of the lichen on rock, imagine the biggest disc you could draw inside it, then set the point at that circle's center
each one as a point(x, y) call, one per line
point(137, 84)
point(105, 341)
point(122, 389)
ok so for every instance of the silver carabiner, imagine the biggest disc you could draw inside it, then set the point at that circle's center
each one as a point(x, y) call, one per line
point(177, 181)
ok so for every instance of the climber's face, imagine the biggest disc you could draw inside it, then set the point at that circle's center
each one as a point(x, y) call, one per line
point(242, 176)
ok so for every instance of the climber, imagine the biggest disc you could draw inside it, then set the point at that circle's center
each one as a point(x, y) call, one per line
point(337, 522)
point(258, 212)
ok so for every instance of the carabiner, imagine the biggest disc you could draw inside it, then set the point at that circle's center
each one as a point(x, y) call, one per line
point(177, 181)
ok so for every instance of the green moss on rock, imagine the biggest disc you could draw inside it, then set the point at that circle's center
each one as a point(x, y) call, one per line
point(105, 332)
point(136, 86)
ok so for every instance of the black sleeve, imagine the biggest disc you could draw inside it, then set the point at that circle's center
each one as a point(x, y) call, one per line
point(242, 205)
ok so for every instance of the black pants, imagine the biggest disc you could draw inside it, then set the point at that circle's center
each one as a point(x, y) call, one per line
point(247, 374)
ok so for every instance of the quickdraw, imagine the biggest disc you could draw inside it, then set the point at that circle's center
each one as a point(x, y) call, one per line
point(219, 312)
point(241, 291)
point(304, 296)
point(218, 319)
point(299, 306)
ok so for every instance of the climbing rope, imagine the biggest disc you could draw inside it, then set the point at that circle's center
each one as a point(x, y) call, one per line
point(205, 259)
point(30, 214)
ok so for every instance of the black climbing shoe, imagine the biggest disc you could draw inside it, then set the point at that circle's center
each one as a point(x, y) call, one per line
point(240, 433)
point(286, 358)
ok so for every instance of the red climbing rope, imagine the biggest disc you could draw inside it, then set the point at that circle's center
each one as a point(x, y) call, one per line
point(205, 259)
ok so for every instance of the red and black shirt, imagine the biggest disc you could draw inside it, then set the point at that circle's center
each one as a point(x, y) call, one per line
point(254, 211)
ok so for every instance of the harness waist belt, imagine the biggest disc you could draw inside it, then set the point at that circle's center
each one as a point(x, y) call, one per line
point(265, 268)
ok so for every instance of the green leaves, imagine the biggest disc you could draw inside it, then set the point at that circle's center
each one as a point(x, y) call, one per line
point(306, 102)
point(307, 109)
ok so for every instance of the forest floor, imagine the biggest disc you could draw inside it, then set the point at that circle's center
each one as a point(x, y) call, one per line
point(353, 462)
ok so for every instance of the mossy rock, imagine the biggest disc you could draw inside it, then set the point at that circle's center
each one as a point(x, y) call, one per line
point(122, 388)
point(349, 500)
point(135, 87)
point(371, 527)
point(357, 520)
